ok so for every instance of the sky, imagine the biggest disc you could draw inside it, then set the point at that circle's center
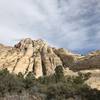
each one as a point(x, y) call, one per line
point(71, 24)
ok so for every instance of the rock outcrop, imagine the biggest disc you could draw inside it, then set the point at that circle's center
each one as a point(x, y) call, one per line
point(29, 55)
point(42, 59)
point(88, 62)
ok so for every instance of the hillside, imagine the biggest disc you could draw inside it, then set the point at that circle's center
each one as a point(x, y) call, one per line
point(42, 59)
point(34, 55)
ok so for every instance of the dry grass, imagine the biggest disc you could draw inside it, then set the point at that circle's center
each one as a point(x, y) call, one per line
point(22, 97)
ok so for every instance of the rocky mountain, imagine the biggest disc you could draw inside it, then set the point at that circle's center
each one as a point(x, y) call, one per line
point(42, 59)
point(34, 55)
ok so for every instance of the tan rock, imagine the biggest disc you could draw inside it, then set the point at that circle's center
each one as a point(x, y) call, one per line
point(29, 55)
point(37, 56)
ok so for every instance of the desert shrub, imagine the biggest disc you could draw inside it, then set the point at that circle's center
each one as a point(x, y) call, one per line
point(29, 80)
point(20, 76)
point(54, 78)
point(60, 91)
point(9, 83)
point(81, 78)
point(46, 80)
point(59, 74)
point(14, 84)
point(53, 87)
point(69, 87)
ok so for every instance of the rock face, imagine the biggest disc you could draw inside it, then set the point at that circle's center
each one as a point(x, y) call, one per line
point(88, 62)
point(39, 57)
point(29, 55)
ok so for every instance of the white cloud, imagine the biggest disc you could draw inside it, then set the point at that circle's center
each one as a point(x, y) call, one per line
point(72, 24)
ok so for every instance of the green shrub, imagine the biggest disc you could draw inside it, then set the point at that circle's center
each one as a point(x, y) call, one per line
point(54, 87)
point(59, 74)
point(29, 80)
point(10, 83)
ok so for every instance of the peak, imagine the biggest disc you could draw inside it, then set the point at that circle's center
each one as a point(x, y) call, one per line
point(39, 42)
point(27, 39)
point(30, 41)
point(25, 43)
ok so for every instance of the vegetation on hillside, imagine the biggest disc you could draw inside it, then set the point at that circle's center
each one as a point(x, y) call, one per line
point(54, 87)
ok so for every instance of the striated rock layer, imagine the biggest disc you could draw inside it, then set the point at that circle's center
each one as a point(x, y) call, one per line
point(33, 55)
point(39, 57)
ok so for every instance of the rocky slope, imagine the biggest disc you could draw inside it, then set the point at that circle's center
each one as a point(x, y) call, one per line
point(39, 57)
point(90, 61)
point(34, 55)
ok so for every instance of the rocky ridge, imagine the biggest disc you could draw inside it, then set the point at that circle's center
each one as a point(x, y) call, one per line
point(39, 57)
point(34, 55)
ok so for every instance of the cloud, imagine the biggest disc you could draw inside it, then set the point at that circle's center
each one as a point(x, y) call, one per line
point(72, 24)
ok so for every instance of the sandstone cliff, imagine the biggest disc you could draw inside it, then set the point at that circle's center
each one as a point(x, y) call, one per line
point(34, 55)
point(39, 57)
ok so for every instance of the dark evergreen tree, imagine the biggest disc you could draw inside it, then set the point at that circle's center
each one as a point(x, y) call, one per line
point(59, 74)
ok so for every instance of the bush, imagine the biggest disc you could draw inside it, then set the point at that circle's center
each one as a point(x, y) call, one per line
point(9, 83)
point(59, 74)
point(64, 90)
point(69, 87)
point(54, 87)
